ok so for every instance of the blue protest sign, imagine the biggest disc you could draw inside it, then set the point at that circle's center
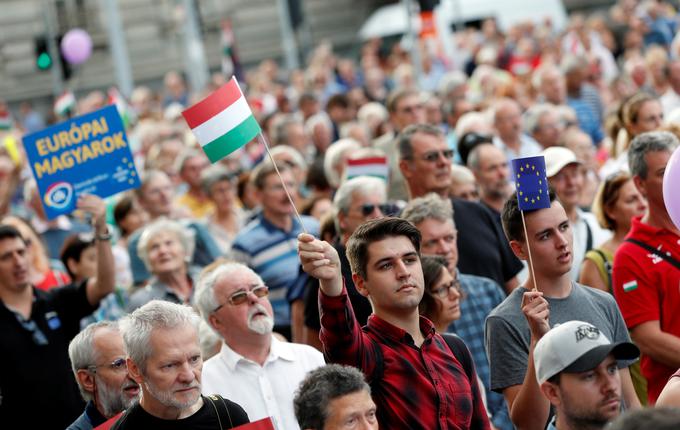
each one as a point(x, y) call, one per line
point(87, 154)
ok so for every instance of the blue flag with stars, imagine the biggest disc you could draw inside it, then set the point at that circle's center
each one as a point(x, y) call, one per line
point(531, 183)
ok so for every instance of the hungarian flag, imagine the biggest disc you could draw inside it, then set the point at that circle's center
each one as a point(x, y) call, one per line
point(370, 166)
point(117, 99)
point(222, 122)
point(5, 122)
point(65, 104)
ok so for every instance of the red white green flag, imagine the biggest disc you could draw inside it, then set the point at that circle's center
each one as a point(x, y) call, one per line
point(222, 122)
point(369, 166)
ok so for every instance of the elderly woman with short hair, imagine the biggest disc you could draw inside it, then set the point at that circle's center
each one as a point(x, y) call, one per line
point(166, 247)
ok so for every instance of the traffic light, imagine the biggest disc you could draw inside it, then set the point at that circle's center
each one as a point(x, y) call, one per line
point(44, 60)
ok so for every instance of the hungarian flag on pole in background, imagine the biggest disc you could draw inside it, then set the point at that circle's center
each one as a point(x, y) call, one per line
point(222, 122)
point(65, 105)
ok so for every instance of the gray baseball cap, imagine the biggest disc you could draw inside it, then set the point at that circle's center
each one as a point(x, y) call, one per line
point(576, 346)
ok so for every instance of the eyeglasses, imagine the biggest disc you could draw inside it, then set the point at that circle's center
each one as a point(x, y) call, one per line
point(387, 209)
point(443, 291)
point(117, 365)
point(240, 297)
point(433, 156)
point(411, 109)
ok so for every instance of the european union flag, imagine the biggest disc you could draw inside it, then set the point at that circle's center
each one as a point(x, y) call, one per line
point(531, 183)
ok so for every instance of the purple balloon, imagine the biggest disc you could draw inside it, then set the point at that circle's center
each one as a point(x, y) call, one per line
point(76, 45)
point(671, 185)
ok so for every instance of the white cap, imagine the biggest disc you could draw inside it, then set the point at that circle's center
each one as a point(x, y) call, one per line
point(557, 158)
point(574, 347)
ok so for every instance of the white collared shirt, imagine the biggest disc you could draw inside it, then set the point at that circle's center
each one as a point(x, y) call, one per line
point(262, 391)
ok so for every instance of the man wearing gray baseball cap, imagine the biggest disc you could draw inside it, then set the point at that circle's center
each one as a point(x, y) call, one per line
point(577, 369)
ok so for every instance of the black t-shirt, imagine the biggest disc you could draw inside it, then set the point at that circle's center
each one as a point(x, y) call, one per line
point(483, 249)
point(205, 418)
point(360, 304)
point(37, 385)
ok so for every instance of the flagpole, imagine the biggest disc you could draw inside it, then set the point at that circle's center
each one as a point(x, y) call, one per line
point(263, 140)
point(531, 262)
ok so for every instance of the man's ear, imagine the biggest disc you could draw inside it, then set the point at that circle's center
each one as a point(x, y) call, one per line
point(71, 265)
point(85, 380)
point(518, 249)
point(405, 168)
point(360, 285)
point(341, 221)
point(551, 392)
point(214, 322)
point(640, 185)
point(134, 371)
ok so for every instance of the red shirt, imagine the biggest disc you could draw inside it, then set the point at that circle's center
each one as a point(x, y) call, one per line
point(647, 288)
point(419, 388)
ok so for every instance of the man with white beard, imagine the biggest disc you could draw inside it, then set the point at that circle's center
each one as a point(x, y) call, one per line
point(253, 367)
point(98, 362)
point(164, 358)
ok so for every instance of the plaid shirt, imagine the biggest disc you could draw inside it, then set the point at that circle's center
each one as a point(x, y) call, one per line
point(418, 388)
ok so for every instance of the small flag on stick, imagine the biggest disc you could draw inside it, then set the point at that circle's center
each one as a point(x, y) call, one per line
point(222, 122)
point(531, 183)
point(65, 105)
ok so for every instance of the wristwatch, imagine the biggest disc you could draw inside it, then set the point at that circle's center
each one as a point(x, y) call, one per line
point(104, 236)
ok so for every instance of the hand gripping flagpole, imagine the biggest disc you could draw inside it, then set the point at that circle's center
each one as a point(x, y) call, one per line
point(531, 185)
point(263, 140)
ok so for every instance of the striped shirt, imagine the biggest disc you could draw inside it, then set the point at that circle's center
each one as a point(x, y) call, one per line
point(272, 253)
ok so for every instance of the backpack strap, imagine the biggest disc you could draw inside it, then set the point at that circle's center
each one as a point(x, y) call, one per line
point(462, 354)
point(675, 263)
point(607, 267)
point(221, 410)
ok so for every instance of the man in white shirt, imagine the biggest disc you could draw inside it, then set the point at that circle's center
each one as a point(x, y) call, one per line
point(507, 122)
point(253, 368)
point(566, 177)
point(670, 100)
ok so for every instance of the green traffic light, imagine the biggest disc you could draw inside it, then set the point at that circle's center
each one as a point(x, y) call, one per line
point(44, 61)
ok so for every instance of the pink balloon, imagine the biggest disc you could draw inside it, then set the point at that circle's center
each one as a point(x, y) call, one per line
point(671, 187)
point(76, 45)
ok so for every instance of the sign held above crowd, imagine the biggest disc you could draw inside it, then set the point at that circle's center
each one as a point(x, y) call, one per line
point(87, 154)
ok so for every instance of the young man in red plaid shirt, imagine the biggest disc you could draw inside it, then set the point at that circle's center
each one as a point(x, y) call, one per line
point(417, 381)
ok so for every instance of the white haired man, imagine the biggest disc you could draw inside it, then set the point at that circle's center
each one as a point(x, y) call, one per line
point(164, 358)
point(252, 365)
point(98, 361)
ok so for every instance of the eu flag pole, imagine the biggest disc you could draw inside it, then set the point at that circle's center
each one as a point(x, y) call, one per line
point(531, 185)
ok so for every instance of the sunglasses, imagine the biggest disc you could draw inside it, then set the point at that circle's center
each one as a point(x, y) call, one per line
point(387, 209)
point(432, 157)
point(241, 297)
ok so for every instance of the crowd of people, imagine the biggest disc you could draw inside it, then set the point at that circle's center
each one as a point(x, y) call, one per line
point(423, 300)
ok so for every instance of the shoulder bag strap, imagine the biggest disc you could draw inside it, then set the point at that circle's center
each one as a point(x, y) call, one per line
point(461, 352)
point(656, 252)
point(223, 405)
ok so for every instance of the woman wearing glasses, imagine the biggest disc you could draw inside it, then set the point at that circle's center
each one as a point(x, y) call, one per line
point(166, 248)
point(442, 296)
